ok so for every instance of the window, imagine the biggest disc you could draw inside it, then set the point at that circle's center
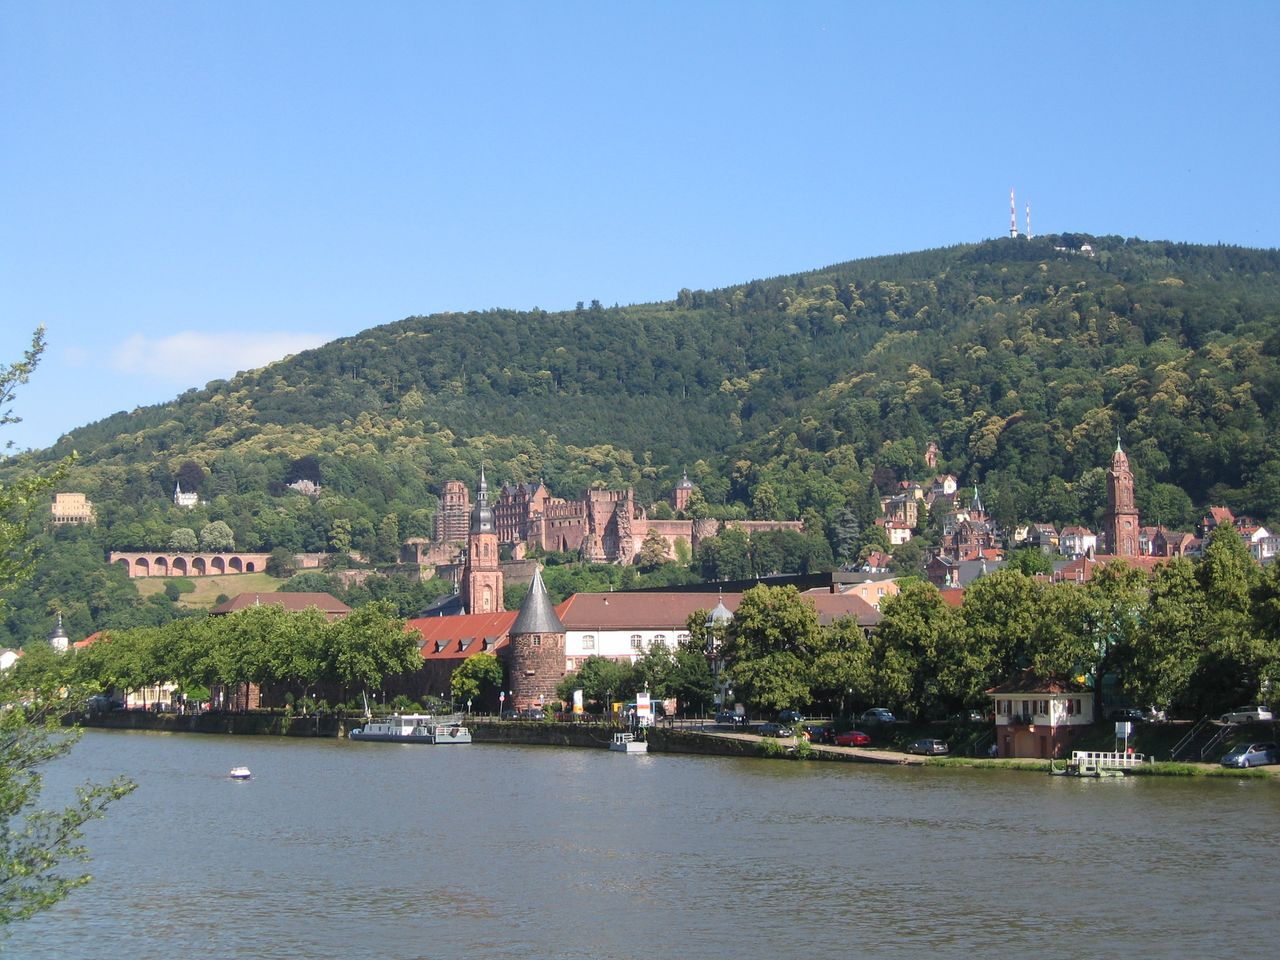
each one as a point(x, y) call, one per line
point(660, 639)
point(535, 641)
point(588, 642)
point(637, 642)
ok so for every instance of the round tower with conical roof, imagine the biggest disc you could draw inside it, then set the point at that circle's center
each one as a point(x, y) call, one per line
point(536, 651)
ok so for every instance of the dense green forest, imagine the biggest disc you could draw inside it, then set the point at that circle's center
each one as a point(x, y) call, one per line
point(790, 397)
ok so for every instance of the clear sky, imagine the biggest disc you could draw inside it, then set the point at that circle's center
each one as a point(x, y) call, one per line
point(192, 189)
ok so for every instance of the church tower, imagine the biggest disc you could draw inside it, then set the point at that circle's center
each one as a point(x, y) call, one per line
point(482, 577)
point(536, 651)
point(1120, 522)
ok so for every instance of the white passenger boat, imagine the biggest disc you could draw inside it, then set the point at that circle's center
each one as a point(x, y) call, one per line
point(413, 728)
point(240, 773)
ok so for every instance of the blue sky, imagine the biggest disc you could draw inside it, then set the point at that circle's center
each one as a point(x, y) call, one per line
point(192, 189)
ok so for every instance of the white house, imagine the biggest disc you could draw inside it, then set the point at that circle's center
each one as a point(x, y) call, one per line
point(1077, 541)
point(625, 626)
point(1038, 717)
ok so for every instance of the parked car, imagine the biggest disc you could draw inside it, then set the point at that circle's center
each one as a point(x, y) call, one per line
point(928, 746)
point(1252, 755)
point(877, 715)
point(851, 738)
point(731, 718)
point(1246, 714)
point(774, 730)
point(817, 734)
point(968, 716)
point(790, 716)
point(1131, 714)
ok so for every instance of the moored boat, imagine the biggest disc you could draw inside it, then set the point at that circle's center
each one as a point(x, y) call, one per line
point(627, 743)
point(413, 728)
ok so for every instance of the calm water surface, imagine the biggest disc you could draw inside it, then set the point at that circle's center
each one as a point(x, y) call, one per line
point(339, 849)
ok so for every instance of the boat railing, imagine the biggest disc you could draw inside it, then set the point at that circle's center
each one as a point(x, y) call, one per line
point(1104, 760)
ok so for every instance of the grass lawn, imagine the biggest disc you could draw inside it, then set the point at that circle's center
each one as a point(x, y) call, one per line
point(208, 589)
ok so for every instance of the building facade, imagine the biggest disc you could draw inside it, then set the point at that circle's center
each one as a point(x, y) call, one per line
point(71, 508)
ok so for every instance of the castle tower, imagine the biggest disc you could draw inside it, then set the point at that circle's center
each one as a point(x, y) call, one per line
point(536, 656)
point(481, 575)
point(454, 513)
point(1120, 522)
point(683, 491)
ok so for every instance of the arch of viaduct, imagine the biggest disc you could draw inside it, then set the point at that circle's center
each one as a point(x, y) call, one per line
point(188, 564)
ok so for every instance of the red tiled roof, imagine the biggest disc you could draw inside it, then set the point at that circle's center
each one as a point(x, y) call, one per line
point(952, 596)
point(671, 611)
point(91, 638)
point(1082, 569)
point(653, 611)
point(443, 637)
point(1221, 515)
point(1028, 682)
point(295, 602)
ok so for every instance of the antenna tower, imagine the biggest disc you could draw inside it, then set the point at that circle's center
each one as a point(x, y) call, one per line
point(1013, 216)
point(1028, 220)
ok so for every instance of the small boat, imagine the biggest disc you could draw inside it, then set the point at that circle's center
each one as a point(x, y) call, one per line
point(240, 773)
point(450, 733)
point(627, 743)
point(414, 728)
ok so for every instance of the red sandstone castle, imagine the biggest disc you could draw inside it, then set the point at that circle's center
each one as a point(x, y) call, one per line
point(604, 526)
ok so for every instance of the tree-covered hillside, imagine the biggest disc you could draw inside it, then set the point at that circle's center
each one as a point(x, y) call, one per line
point(1022, 359)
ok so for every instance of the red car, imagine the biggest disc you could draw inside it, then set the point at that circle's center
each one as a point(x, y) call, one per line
point(852, 738)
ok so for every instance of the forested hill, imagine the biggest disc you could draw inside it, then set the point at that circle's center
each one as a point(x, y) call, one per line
point(1022, 359)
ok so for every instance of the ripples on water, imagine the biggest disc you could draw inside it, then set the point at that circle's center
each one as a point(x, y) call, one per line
point(337, 849)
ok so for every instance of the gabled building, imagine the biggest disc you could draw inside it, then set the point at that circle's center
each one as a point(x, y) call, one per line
point(1076, 541)
point(71, 508)
point(326, 603)
point(1039, 717)
point(1216, 517)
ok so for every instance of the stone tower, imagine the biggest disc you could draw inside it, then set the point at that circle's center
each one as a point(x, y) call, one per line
point(683, 491)
point(1120, 522)
point(536, 655)
point(482, 576)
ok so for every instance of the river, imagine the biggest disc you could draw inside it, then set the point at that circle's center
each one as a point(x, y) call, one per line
point(337, 849)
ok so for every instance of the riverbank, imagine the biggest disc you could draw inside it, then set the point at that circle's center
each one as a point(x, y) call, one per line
point(691, 740)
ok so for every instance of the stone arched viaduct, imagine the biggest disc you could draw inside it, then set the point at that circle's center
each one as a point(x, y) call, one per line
point(159, 564)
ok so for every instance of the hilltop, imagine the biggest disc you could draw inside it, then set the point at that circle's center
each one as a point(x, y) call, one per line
point(1023, 359)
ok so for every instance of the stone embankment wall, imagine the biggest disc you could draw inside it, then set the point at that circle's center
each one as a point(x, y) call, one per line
point(259, 724)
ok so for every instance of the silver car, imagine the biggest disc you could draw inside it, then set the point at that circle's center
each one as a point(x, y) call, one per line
point(1246, 714)
point(1252, 755)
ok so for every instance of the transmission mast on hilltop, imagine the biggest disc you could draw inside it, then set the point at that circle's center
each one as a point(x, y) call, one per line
point(1028, 220)
point(1013, 216)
